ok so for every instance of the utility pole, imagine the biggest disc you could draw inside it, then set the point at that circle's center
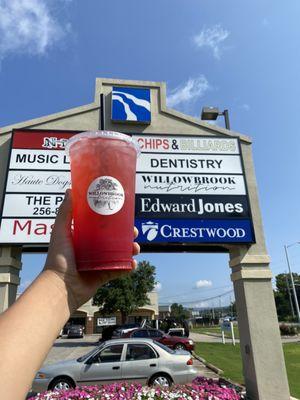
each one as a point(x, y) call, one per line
point(293, 284)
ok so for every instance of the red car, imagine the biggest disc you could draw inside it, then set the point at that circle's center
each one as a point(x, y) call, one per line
point(174, 342)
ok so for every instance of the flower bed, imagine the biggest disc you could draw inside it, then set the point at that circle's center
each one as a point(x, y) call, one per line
point(201, 388)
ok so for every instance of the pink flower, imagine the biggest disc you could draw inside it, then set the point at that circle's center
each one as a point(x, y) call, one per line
point(200, 388)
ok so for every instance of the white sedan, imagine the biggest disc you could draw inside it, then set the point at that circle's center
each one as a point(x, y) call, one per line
point(132, 360)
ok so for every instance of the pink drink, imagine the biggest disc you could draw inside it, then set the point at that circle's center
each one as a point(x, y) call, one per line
point(103, 166)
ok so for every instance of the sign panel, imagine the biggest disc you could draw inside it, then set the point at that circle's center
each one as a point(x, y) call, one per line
point(195, 231)
point(190, 184)
point(38, 176)
point(106, 321)
point(226, 326)
point(131, 105)
point(189, 189)
point(187, 144)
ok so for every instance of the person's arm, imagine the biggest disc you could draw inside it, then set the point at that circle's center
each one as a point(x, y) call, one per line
point(29, 327)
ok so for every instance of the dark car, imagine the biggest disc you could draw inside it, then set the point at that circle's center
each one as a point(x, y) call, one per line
point(174, 342)
point(124, 329)
point(75, 331)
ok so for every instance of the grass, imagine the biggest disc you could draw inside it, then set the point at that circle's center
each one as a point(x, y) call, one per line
point(292, 362)
point(228, 358)
point(216, 330)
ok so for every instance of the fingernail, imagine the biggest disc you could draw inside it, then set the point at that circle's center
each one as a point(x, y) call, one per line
point(67, 194)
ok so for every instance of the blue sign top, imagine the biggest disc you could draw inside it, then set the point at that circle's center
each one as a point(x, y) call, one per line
point(131, 104)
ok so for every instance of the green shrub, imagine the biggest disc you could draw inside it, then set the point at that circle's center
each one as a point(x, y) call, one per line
point(289, 330)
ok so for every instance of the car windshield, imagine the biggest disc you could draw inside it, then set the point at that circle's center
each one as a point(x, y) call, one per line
point(85, 356)
point(167, 349)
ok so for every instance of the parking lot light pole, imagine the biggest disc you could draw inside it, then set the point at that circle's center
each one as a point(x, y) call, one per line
point(289, 293)
point(292, 280)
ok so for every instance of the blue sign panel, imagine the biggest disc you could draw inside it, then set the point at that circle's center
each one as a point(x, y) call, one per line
point(131, 104)
point(194, 231)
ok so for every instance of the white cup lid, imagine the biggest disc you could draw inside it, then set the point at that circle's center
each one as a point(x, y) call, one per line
point(102, 134)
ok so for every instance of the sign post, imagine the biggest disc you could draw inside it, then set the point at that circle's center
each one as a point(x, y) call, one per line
point(227, 326)
point(232, 333)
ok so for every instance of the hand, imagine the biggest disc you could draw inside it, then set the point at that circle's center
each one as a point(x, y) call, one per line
point(81, 286)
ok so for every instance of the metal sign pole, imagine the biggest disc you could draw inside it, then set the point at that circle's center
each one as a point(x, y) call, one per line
point(223, 336)
point(293, 284)
point(102, 112)
point(232, 333)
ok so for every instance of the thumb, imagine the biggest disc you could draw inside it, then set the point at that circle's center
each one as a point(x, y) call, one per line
point(63, 220)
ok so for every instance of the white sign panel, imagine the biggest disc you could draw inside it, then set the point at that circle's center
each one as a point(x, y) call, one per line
point(189, 163)
point(39, 159)
point(26, 230)
point(32, 205)
point(190, 184)
point(38, 181)
point(184, 144)
point(106, 321)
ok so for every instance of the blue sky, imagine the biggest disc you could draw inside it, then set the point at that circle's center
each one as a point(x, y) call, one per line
point(243, 56)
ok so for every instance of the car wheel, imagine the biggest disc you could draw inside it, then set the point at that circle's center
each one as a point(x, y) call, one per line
point(179, 346)
point(62, 383)
point(160, 380)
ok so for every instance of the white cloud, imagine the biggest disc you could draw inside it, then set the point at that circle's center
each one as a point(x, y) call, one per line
point(189, 91)
point(203, 283)
point(245, 107)
point(28, 26)
point(212, 38)
point(158, 286)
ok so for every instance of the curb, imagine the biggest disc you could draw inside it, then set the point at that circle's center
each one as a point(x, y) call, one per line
point(208, 365)
point(238, 387)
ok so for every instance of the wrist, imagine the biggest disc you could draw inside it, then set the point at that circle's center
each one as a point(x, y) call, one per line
point(60, 288)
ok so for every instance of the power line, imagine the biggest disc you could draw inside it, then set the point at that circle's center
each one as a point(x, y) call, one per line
point(189, 292)
point(207, 299)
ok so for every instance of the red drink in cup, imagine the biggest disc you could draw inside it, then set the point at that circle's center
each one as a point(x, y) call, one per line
point(103, 166)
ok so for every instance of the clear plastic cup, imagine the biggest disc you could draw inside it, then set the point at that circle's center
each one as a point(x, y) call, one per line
point(103, 167)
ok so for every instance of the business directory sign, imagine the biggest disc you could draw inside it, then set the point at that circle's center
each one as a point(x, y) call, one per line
point(189, 189)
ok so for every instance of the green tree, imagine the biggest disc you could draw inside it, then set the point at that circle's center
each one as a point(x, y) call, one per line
point(282, 299)
point(128, 293)
point(179, 312)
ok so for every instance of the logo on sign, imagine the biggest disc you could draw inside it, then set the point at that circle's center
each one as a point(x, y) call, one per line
point(131, 104)
point(150, 230)
point(54, 143)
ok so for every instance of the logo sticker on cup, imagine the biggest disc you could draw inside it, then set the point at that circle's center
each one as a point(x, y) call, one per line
point(105, 195)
